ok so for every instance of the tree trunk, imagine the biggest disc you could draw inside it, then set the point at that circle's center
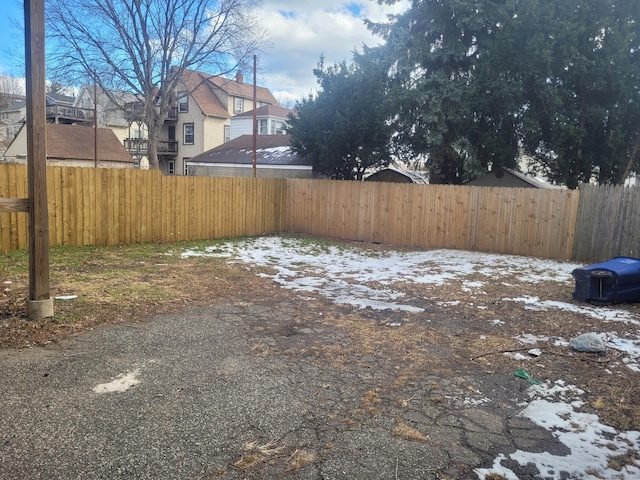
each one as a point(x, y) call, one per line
point(153, 132)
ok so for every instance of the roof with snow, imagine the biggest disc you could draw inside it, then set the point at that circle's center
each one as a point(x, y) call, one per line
point(270, 150)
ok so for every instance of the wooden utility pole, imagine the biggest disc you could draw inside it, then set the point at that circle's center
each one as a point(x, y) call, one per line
point(95, 118)
point(255, 120)
point(40, 303)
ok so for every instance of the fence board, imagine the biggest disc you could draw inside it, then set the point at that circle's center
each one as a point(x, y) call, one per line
point(88, 206)
point(22, 219)
point(13, 217)
point(98, 201)
point(5, 219)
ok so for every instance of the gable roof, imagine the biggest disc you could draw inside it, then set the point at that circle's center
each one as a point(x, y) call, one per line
point(55, 98)
point(14, 107)
point(203, 95)
point(270, 150)
point(268, 111)
point(245, 90)
point(122, 97)
point(203, 85)
point(390, 174)
point(506, 177)
point(75, 142)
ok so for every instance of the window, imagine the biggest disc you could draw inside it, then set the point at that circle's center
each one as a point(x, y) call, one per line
point(227, 133)
point(184, 162)
point(238, 105)
point(262, 127)
point(188, 134)
point(277, 128)
point(183, 102)
point(171, 167)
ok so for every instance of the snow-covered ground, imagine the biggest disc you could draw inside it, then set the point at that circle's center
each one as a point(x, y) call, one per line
point(346, 275)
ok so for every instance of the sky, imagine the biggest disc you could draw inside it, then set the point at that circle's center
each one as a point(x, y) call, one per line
point(298, 31)
point(365, 279)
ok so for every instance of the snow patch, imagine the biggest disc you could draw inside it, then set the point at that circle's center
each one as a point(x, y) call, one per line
point(591, 443)
point(121, 383)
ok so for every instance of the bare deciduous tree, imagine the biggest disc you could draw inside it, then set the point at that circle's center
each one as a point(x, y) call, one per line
point(10, 87)
point(144, 46)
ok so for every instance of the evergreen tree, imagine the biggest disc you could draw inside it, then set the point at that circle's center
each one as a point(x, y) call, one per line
point(476, 81)
point(580, 66)
point(451, 105)
point(343, 128)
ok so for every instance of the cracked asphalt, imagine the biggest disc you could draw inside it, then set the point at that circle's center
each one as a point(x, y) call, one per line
point(248, 391)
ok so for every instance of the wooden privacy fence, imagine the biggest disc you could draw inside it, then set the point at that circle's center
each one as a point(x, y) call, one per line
point(111, 206)
point(119, 206)
point(522, 221)
point(608, 223)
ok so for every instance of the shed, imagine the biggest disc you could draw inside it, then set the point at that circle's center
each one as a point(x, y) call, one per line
point(506, 177)
point(395, 175)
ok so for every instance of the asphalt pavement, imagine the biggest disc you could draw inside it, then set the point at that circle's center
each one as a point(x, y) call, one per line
point(194, 395)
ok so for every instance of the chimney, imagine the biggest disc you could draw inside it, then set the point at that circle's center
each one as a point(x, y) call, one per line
point(239, 77)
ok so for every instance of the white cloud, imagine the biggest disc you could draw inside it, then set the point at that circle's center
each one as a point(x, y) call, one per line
point(301, 31)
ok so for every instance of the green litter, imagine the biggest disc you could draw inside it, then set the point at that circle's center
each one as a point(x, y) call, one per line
point(522, 374)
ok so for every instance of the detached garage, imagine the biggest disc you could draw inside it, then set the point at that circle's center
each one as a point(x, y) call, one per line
point(274, 159)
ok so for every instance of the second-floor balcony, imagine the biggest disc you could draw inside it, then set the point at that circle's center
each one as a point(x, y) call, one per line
point(69, 114)
point(172, 114)
point(140, 146)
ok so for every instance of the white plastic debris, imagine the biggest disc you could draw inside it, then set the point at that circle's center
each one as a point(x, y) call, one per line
point(587, 342)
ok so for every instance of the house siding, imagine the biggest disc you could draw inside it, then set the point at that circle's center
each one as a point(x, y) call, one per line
point(241, 126)
point(74, 162)
point(213, 134)
point(194, 116)
point(17, 147)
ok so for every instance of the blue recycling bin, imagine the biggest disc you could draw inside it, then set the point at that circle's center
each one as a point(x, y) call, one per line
point(614, 281)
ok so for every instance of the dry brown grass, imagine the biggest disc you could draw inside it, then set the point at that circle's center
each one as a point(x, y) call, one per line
point(119, 284)
point(260, 455)
point(408, 433)
point(255, 453)
point(371, 402)
point(300, 459)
